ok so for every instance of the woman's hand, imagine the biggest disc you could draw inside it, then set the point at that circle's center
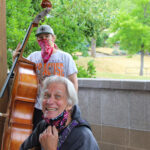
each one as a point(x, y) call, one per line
point(16, 51)
point(49, 138)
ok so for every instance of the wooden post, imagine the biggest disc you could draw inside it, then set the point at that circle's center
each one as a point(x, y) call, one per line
point(3, 62)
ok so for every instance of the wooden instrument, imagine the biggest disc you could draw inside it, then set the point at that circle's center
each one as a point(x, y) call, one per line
point(18, 123)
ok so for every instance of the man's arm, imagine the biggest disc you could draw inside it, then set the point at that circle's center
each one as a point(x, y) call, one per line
point(73, 78)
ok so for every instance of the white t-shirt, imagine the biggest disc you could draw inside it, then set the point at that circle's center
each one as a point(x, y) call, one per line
point(60, 63)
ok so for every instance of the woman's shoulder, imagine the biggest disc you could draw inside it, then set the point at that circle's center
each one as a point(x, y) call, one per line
point(84, 138)
point(83, 131)
point(80, 133)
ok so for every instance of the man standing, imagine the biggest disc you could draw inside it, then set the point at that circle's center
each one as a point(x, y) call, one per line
point(50, 61)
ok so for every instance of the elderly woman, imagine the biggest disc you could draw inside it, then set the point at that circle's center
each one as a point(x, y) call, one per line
point(62, 127)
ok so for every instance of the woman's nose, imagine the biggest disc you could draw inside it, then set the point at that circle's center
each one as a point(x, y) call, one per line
point(50, 100)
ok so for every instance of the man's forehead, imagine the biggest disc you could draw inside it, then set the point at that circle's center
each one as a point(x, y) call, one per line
point(43, 34)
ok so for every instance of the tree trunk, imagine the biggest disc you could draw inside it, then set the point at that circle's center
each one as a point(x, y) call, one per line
point(93, 47)
point(142, 63)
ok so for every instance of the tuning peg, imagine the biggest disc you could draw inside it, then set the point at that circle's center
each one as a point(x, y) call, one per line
point(46, 3)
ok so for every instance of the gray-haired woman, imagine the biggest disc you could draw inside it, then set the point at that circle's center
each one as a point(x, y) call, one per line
point(62, 127)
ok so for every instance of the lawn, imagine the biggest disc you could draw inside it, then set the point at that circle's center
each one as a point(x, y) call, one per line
point(118, 67)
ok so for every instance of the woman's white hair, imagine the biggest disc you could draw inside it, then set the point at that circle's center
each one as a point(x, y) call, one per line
point(71, 92)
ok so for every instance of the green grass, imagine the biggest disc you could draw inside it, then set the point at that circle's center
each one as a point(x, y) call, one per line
point(118, 67)
point(108, 75)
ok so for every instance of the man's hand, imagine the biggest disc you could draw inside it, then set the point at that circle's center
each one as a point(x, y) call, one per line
point(49, 138)
point(16, 51)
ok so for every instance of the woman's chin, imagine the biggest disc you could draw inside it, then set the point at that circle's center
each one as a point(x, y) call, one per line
point(50, 116)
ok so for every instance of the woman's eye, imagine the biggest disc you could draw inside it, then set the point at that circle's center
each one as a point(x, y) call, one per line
point(57, 96)
point(46, 96)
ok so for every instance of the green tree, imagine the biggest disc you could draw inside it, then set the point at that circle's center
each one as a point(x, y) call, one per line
point(19, 16)
point(132, 29)
point(95, 16)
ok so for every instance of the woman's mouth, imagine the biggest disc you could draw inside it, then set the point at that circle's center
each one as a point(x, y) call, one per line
point(51, 109)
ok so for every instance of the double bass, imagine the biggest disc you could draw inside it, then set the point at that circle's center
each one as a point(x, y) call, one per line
point(19, 115)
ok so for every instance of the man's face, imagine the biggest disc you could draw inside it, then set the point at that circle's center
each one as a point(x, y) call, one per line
point(45, 36)
point(55, 100)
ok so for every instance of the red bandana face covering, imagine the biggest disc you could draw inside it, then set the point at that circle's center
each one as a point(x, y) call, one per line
point(46, 49)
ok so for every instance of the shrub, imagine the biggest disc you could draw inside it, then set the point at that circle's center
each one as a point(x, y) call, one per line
point(90, 72)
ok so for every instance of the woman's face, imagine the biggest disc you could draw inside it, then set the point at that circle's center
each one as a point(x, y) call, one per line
point(55, 100)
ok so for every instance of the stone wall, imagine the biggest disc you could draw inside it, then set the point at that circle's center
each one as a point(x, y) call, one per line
point(118, 111)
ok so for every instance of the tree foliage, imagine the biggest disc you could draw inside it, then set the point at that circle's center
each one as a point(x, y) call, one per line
point(132, 29)
point(19, 16)
point(132, 34)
